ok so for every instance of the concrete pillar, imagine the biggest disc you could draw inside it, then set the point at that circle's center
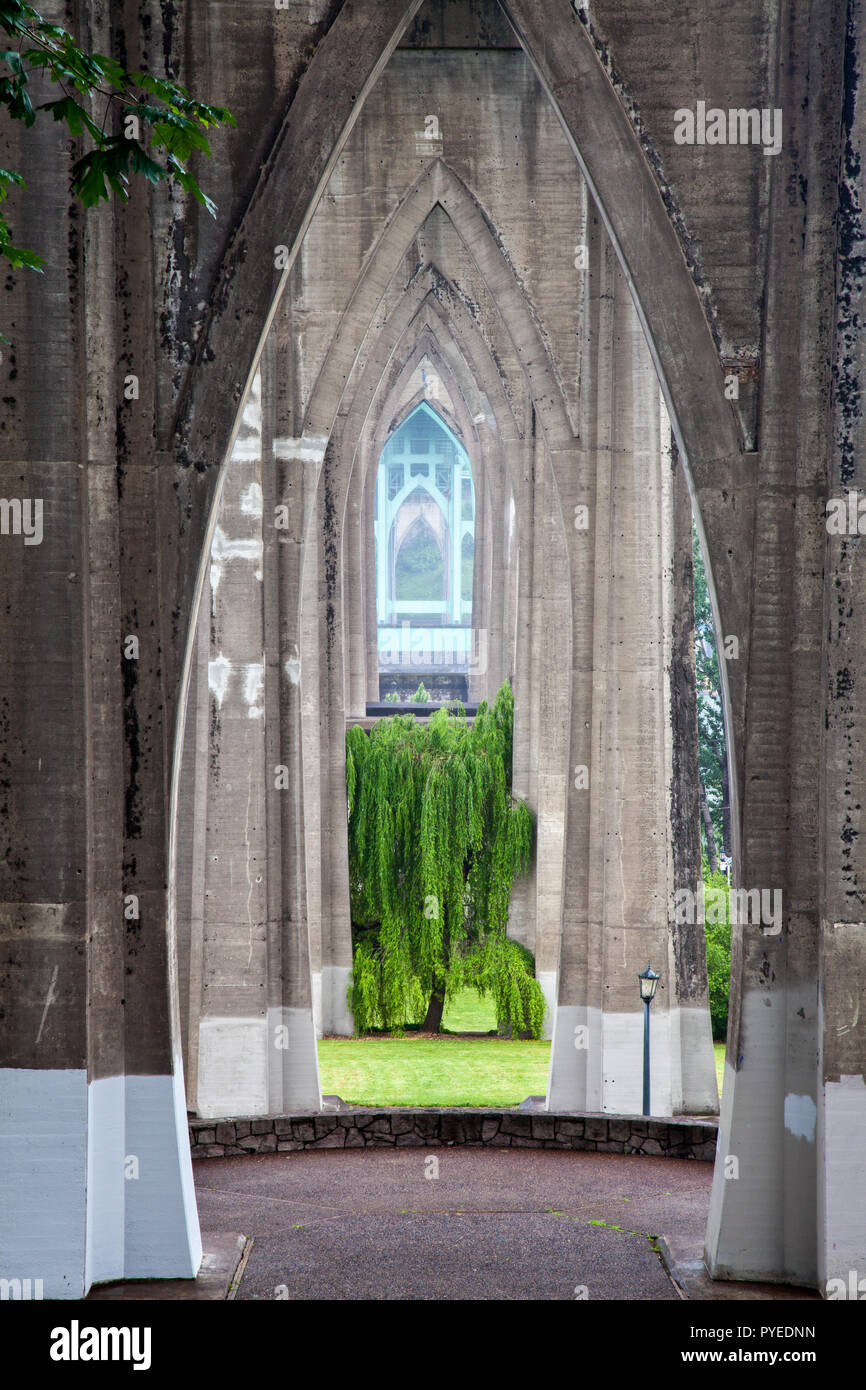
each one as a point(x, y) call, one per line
point(192, 845)
point(631, 769)
point(771, 1179)
point(333, 587)
point(94, 1151)
point(841, 1091)
point(233, 1024)
point(254, 1043)
point(293, 995)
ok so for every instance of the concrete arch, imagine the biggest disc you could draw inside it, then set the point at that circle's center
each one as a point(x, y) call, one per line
point(135, 522)
point(315, 128)
point(551, 438)
point(439, 184)
point(340, 407)
point(429, 337)
point(421, 397)
point(626, 191)
point(559, 45)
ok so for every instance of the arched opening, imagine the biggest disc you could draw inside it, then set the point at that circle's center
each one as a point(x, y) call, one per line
point(325, 433)
point(419, 569)
point(424, 537)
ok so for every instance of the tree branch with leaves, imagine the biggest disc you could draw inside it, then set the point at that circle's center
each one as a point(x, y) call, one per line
point(162, 125)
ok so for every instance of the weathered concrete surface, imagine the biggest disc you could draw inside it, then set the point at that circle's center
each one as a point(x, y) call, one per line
point(739, 263)
point(557, 403)
point(222, 1266)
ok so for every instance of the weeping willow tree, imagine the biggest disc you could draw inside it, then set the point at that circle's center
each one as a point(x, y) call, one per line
point(435, 842)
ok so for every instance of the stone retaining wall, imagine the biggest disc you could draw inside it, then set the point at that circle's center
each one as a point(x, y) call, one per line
point(498, 1129)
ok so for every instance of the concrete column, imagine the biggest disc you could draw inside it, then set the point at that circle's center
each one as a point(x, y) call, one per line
point(631, 767)
point(294, 997)
point(355, 694)
point(233, 1025)
point(192, 846)
point(576, 1053)
point(93, 1146)
point(841, 1094)
point(483, 599)
point(771, 1178)
point(310, 655)
point(521, 924)
point(370, 468)
point(336, 911)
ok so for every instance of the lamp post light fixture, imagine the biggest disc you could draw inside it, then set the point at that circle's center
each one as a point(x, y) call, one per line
point(648, 981)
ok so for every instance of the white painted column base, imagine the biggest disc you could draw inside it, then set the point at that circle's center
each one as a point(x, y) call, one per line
point(700, 1086)
point(258, 1066)
point(567, 1080)
point(43, 1161)
point(294, 1062)
point(842, 1235)
point(97, 1180)
point(763, 1133)
point(623, 1062)
point(596, 1061)
point(232, 1067)
point(162, 1238)
point(336, 1017)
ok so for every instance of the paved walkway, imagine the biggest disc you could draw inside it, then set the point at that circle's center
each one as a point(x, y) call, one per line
point(494, 1224)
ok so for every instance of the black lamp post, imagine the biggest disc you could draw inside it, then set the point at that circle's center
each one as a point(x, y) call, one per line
point(648, 981)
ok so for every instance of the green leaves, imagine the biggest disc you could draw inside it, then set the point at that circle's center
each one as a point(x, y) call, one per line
point(712, 749)
point(178, 100)
point(8, 176)
point(17, 255)
point(13, 90)
point(435, 841)
point(106, 168)
point(718, 941)
point(68, 109)
point(15, 17)
point(156, 115)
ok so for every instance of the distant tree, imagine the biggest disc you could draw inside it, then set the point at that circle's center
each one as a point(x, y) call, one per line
point(160, 123)
point(718, 939)
point(420, 571)
point(435, 841)
point(712, 749)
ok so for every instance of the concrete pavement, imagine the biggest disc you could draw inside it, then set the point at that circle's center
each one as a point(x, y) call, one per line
point(456, 1223)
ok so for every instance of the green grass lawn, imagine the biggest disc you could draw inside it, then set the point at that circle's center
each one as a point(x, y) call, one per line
point(447, 1070)
point(433, 1071)
point(470, 1012)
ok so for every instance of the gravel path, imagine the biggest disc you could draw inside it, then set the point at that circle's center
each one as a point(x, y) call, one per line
point(485, 1224)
